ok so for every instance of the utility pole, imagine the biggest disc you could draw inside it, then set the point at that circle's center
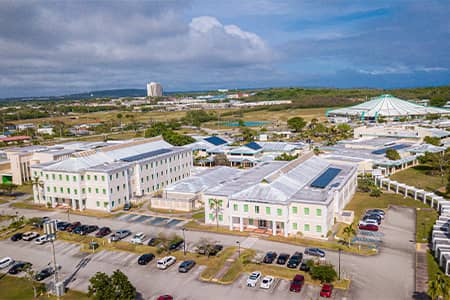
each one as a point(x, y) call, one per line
point(184, 241)
point(339, 275)
point(50, 231)
point(239, 248)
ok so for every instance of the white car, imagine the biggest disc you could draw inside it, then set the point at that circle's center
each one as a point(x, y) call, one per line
point(30, 235)
point(138, 238)
point(6, 262)
point(253, 279)
point(369, 221)
point(166, 262)
point(41, 240)
point(266, 282)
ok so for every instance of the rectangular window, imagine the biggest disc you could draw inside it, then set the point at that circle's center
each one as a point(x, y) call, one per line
point(294, 226)
point(105, 204)
point(48, 189)
point(220, 218)
point(83, 190)
point(306, 211)
point(95, 177)
point(60, 177)
point(89, 189)
point(89, 177)
point(306, 227)
point(250, 221)
point(211, 217)
point(267, 210)
point(67, 177)
point(112, 203)
point(104, 191)
point(96, 190)
point(98, 203)
point(294, 210)
point(54, 189)
point(46, 176)
point(61, 190)
point(53, 176)
point(256, 209)
point(117, 175)
point(245, 207)
point(68, 190)
point(318, 212)
point(318, 228)
point(74, 178)
point(103, 178)
point(235, 207)
point(279, 212)
point(82, 177)
point(75, 191)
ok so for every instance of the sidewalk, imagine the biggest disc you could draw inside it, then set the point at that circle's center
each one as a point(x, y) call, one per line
point(421, 268)
point(228, 263)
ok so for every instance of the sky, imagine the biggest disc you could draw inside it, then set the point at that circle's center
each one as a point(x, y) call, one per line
point(63, 46)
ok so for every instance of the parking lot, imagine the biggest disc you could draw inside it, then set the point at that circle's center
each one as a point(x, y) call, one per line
point(151, 220)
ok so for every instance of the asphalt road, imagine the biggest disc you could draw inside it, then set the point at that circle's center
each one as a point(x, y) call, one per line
point(389, 275)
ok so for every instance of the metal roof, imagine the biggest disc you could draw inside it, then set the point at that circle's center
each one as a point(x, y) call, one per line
point(216, 141)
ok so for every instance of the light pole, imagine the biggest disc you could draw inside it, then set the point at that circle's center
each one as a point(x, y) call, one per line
point(50, 231)
point(339, 272)
point(184, 240)
point(239, 248)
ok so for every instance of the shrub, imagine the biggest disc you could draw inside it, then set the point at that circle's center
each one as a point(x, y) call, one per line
point(324, 273)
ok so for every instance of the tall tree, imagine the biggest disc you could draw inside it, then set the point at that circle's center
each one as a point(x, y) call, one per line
point(215, 205)
point(114, 287)
point(349, 231)
point(296, 123)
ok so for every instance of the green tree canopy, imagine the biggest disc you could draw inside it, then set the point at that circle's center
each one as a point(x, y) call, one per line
point(296, 123)
point(324, 273)
point(432, 140)
point(392, 154)
point(114, 287)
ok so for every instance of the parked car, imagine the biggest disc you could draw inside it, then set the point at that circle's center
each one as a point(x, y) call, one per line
point(376, 211)
point(127, 206)
point(297, 283)
point(270, 257)
point(315, 252)
point(45, 219)
point(145, 258)
point(62, 226)
point(253, 278)
point(138, 238)
point(72, 226)
point(326, 291)
point(90, 229)
point(282, 258)
point(175, 245)
point(373, 217)
point(102, 232)
point(29, 236)
point(165, 297)
point(153, 241)
point(79, 229)
point(304, 266)
point(369, 227)
point(120, 234)
point(16, 237)
point(368, 221)
point(19, 267)
point(186, 266)
point(44, 273)
point(295, 260)
point(214, 250)
point(42, 239)
point(166, 262)
point(6, 262)
point(267, 282)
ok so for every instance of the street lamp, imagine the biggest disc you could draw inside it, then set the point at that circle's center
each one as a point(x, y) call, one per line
point(184, 241)
point(239, 248)
point(339, 272)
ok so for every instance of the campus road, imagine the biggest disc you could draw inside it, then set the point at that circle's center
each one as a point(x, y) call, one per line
point(389, 275)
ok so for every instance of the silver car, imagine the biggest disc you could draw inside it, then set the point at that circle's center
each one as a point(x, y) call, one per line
point(119, 235)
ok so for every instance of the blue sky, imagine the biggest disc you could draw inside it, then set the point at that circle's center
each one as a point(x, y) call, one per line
point(60, 46)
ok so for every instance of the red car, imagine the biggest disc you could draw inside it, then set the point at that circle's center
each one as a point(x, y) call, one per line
point(297, 283)
point(73, 226)
point(326, 290)
point(370, 227)
point(165, 297)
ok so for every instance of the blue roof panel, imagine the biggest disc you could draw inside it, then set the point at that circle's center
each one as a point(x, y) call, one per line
point(325, 178)
point(216, 141)
point(253, 145)
point(395, 147)
point(146, 155)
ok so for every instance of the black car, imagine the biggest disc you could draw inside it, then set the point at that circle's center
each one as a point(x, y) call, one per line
point(44, 273)
point(80, 229)
point(282, 258)
point(270, 257)
point(185, 266)
point(62, 226)
point(145, 258)
point(19, 267)
point(295, 260)
point(90, 229)
point(127, 206)
point(72, 226)
point(153, 241)
point(175, 245)
point(102, 232)
point(16, 237)
point(214, 250)
point(304, 266)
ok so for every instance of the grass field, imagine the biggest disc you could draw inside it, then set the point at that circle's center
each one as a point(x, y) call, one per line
point(425, 219)
point(433, 269)
point(417, 176)
point(14, 288)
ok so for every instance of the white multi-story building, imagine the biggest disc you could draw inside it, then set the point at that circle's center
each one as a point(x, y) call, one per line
point(111, 176)
point(154, 89)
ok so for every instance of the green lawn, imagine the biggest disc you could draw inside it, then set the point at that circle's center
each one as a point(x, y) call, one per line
point(419, 177)
point(433, 268)
point(425, 219)
point(200, 216)
point(20, 289)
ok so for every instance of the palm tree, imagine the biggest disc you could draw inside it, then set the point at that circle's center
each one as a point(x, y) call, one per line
point(433, 289)
point(349, 231)
point(37, 185)
point(215, 205)
point(438, 288)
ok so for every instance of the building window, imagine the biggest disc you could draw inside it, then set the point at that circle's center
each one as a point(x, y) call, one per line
point(88, 177)
point(118, 188)
point(279, 212)
point(61, 190)
point(117, 175)
point(74, 178)
point(98, 203)
point(256, 209)
point(96, 190)
point(103, 178)
point(75, 191)
point(306, 211)
point(112, 203)
point(267, 210)
point(211, 217)
point(104, 191)
point(294, 210)
point(235, 207)
point(54, 189)
point(95, 177)
point(53, 176)
point(318, 212)
point(82, 177)
point(110, 177)
point(245, 207)
point(89, 189)
point(48, 189)
point(294, 226)
point(46, 176)
point(250, 221)
point(306, 227)
point(68, 190)
point(318, 228)
point(83, 190)
point(220, 218)
point(60, 177)
point(105, 204)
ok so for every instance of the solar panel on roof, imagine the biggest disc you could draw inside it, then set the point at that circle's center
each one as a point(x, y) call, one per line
point(253, 145)
point(216, 141)
point(325, 178)
point(395, 147)
point(146, 155)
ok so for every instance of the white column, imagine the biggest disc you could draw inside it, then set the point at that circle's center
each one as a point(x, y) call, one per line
point(241, 224)
point(274, 227)
point(389, 185)
point(231, 222)
point(424, 197)
point(406, 190)
point(415, 195)
point(396, 188)
point(285, 229)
